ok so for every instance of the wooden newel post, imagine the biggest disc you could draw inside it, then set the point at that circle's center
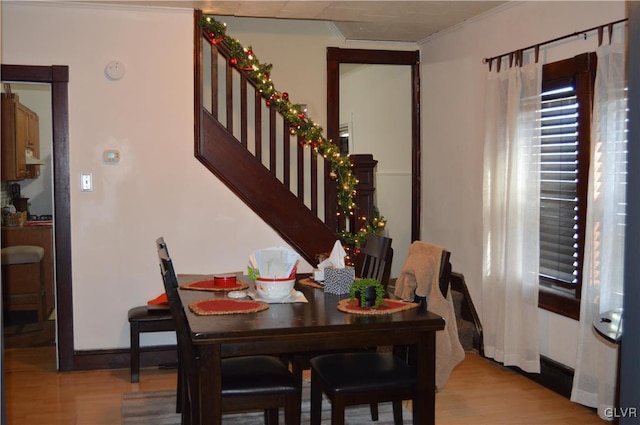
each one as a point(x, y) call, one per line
point(364, 170)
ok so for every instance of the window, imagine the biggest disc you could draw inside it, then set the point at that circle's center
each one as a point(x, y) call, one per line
point(567, 97)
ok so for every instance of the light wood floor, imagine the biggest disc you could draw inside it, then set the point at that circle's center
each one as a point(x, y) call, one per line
point(479, 393)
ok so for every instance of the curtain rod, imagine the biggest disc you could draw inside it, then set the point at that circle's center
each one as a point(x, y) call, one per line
point(518, 53)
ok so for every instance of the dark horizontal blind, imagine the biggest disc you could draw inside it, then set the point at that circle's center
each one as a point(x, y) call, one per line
point(559, 197)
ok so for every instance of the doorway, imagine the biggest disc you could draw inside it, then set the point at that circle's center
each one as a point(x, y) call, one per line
point(57, 79)
point(34, 196)
point(360, 83)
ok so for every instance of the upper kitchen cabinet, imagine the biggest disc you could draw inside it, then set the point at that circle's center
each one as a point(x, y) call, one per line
point(20, 140)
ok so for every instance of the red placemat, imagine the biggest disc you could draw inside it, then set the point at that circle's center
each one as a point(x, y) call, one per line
point(209, 285)
point(393, 306)
point(307, 281)
point(159, 300)
point(226, 306)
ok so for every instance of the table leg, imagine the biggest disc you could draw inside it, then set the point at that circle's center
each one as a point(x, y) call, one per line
point(425, 409)
point(210, 372)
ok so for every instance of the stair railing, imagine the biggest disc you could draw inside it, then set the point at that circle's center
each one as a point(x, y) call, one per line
point(234, 100)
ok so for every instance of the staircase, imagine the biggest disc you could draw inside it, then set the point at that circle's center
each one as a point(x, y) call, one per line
point(252, 148)
point(249, 146)
point(469, 327)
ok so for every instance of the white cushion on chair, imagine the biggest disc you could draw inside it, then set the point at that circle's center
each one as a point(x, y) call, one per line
point(22, 254)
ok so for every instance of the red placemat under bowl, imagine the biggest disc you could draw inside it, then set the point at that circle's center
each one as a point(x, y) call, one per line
point(393, 306)
point(226, 306)
point(211, 285)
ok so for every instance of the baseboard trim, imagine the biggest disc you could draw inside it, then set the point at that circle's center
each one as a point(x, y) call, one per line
point(553, 375)
point(120, 358)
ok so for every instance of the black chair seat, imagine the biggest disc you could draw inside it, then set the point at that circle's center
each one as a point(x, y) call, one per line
point(143, 313)
point(360, 378)
point(256, 375)
point(362, 372)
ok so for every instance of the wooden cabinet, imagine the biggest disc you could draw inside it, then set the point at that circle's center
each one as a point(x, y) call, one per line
point(20, 133)
point(38, 236)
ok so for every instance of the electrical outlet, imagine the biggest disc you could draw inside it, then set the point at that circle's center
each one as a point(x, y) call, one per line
point(86, 184)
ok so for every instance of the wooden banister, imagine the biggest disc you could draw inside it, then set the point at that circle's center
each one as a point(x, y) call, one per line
point(233, 140)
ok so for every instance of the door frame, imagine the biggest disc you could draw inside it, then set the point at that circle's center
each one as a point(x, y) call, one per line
point(58, 77)
point(336, 56)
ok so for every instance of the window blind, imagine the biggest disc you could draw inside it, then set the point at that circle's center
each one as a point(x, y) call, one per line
point(559, 206)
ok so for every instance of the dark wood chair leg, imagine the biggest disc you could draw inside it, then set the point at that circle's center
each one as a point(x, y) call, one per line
point(397, 412)
point(374, 411)
point(271, 416)
point(316, 401)
point(180, 400)
point(135, 352)
point(337, 410)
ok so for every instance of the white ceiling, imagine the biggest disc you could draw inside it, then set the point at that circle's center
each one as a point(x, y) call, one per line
point(401, 21)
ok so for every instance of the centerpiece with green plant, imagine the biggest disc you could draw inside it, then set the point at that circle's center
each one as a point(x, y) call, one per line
point(359, 290)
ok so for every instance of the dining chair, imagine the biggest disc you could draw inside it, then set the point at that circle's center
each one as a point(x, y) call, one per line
point(248, 383)
point(377, 257)
point(367, 377)
point(142, 319)
point(376, 264)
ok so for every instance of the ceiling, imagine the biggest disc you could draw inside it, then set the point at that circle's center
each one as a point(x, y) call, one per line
point(398, 21)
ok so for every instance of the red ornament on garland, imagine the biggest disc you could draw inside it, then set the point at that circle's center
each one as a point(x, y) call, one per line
point(357, 251)
point(285, 95)
point(301, 115)
point(268, 103)
point(233, 61)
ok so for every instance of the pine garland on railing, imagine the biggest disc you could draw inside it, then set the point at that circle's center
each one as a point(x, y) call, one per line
point(299, 124)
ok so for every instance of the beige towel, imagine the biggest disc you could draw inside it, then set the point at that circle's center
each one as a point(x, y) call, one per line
point(420, 275)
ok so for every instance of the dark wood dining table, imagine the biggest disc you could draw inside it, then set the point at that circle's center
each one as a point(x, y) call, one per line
point(301, 327)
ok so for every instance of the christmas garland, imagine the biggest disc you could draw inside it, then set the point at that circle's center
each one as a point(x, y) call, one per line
point(300, 124)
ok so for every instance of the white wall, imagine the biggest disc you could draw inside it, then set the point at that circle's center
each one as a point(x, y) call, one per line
point(376, 102)
point(158, 188)
point(452, 124)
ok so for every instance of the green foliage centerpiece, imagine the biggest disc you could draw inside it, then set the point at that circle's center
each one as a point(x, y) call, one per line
point(359, 288)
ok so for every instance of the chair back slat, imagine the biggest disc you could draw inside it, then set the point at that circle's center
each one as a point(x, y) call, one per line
point(378, 256)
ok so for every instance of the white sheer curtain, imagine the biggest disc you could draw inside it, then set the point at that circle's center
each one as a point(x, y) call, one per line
point(595, 374)
point(511, 216)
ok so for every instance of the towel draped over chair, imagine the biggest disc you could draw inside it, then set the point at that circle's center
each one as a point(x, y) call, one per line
point(420, 276)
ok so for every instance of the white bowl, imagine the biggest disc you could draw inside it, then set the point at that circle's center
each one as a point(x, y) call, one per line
point(274, 289)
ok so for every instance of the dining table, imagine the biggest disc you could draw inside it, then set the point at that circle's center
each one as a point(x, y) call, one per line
point(298, 327)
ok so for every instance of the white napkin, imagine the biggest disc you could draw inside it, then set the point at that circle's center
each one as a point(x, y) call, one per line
point(336, 258)
point(277, 262)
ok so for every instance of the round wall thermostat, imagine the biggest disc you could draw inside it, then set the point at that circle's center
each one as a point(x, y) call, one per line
point(114, 70)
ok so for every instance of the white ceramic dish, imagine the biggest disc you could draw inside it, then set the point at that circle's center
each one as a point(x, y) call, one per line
point(293, 297)
point(274, 289)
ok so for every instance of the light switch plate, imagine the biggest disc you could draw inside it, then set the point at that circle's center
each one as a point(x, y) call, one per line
point(86, 183)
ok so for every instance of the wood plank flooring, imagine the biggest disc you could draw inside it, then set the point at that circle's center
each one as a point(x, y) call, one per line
point(479, 392)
